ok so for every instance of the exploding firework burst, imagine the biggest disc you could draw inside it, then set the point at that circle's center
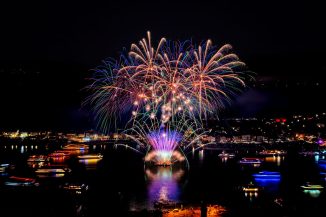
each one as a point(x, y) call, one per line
point(167, 91)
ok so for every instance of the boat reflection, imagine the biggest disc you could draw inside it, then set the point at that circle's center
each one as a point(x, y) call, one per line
point(250, 190)
point(163, 188)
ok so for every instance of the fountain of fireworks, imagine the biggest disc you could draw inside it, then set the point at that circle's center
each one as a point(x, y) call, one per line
point(168, 92)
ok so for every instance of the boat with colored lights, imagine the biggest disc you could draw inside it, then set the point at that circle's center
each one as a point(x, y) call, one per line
point(90, 156)
point(37, 158)
point(76, 147)
point(248, 160)
point(309, 186)
point(309, 153)
point(20, 181)
point(3, 168)
point(250, 188)
point(75, 188)
point(272, 152)
point(53, 169)
point(58, 154)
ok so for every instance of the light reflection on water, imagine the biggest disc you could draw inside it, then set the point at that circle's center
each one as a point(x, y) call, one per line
point(201, 155)
point(275, 159)
point(312, 193)
point(168, 184)
point(270, 184)
point(163, 184)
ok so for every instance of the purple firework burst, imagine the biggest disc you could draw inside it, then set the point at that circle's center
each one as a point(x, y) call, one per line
point(164, 143)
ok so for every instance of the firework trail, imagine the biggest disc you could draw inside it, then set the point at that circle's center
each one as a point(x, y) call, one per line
point(165, 90)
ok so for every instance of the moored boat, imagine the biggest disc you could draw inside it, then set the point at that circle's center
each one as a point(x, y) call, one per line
point(90, 156)
point(251, 187)
point(226, 155)
point(249, 160)
point(21, 181)
point(272, 152)
point(309, 186)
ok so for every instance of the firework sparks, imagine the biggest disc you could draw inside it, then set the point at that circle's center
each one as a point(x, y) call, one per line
point(164, 86)
point(164, 143)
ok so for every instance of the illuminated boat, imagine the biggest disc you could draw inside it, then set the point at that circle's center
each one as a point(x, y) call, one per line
point(272, 152)
point(3, 168)
point(44, 170)
point(20, 181)
point(309, 153)
point(52, 170)
point(250, 188)
point(59, 157)
point(267, 175)
point(37, 158)
point(58, 154)
point(226, 155)
point(247, 160)
point(309, 186)
point(76, 147)
point(75, 188)
point(91, 156)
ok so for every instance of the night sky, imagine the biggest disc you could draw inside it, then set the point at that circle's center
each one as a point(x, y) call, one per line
point(49, 48)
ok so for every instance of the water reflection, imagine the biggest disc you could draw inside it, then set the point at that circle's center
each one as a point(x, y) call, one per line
point(270, 185)
point(251, 195)
point(275, 159)
point(163, 184)
point(316, 158)
point(201, 155)
point(312, 193)
point(193, 152)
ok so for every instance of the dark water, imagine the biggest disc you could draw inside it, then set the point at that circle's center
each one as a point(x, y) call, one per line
point(120, 183)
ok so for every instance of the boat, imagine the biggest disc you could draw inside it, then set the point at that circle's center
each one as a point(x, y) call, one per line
point(267, 175)
point(226, 155)
point(76, 147)
point(250, 188)
point(51, 170)
point(272, 152)
point(309, 186)
point(45, 170)
point(75, 188)
point(90, 156)
point(3, 168)
point(309, 153)
point(37, 158)
point(247, 160)
point(58, 154)
point(20, 181)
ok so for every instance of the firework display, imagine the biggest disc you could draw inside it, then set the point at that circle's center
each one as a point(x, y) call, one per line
point(165, 93)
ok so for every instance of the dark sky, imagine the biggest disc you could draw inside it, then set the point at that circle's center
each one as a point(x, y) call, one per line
point(48, 48)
